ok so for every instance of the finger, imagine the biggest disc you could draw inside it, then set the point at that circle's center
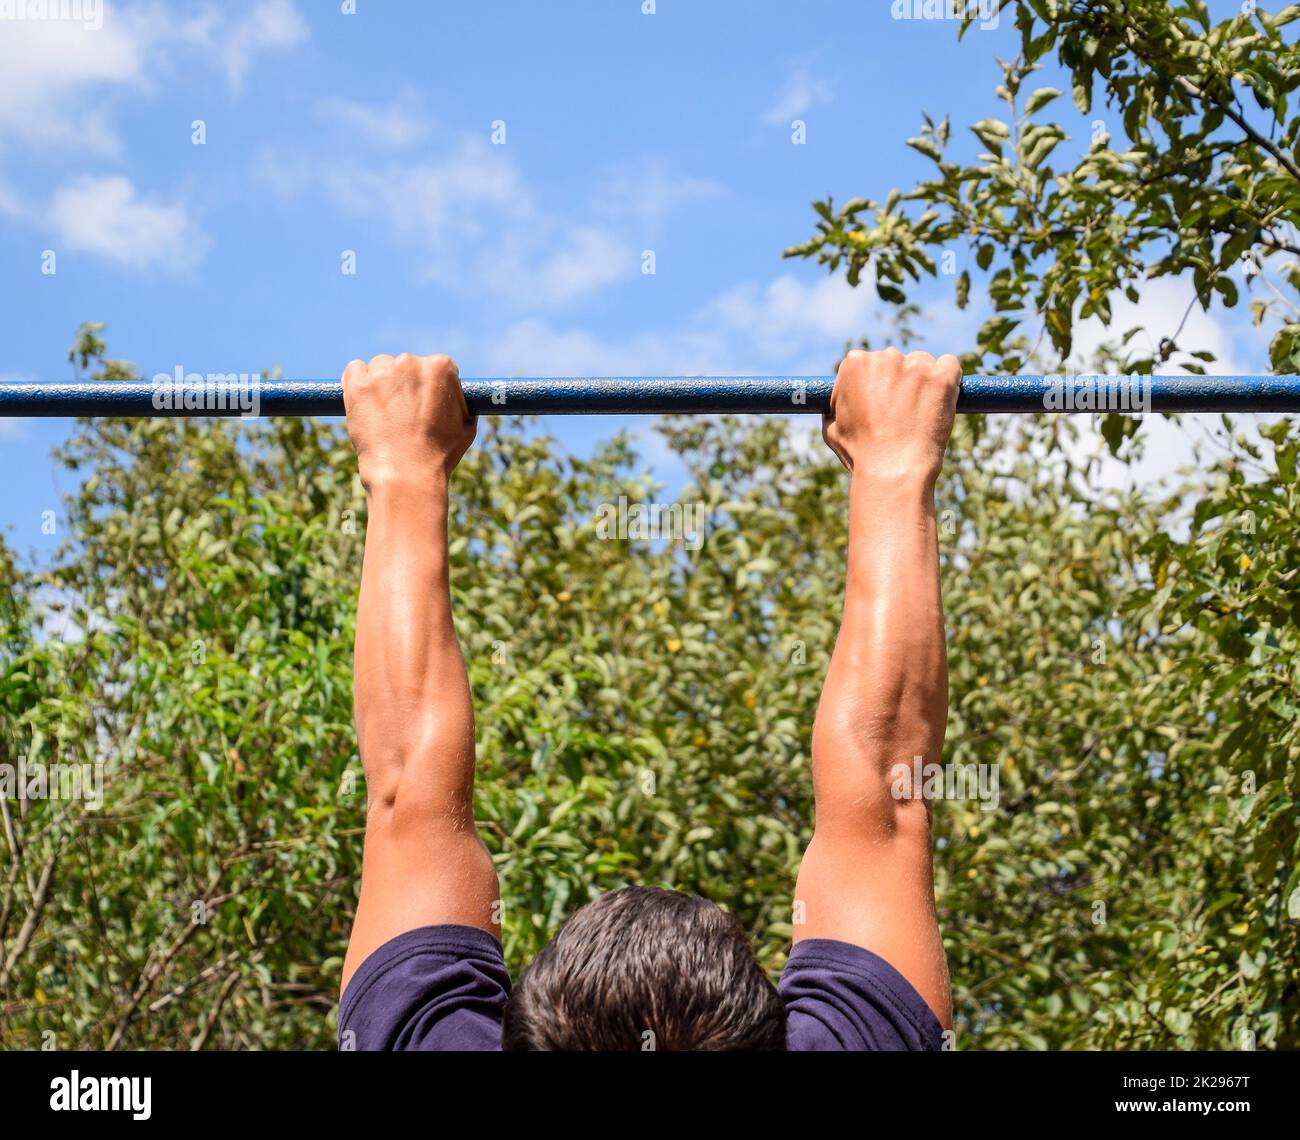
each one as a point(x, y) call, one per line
point(948, 369)
point(828, 437)
point(453, 377)
point(452, 371)
point(447, 376)
point(354, 374)
point(444, 363)
point(883, 366)
point(853, 364)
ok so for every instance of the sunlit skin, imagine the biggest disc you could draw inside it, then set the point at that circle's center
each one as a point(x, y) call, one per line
point(866, 877)
point(424, 862)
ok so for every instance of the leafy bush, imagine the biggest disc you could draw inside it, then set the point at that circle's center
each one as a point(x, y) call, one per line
point(644, 713)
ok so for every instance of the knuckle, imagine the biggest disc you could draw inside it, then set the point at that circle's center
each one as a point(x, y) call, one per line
point(948, 368)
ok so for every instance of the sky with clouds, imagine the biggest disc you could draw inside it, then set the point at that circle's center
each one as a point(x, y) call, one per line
point(498, 169)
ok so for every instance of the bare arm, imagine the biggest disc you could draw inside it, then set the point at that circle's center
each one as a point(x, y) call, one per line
point(424, 862)
point(866, 877)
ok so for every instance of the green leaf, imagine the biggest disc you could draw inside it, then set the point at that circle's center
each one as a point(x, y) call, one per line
point(992, 133)
point(1040, 98)
point(927, 147)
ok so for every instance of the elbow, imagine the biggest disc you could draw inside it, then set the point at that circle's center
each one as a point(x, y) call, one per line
point(871, 781)
point(420, 775)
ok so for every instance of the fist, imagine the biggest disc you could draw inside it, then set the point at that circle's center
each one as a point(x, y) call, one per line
point(891, 413)
point(406, 417)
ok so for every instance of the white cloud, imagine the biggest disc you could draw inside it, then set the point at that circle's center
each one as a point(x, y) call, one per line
point(537, 270)
point(50, 66)
point(476, 226)
point(396, 125)
point(589, 259)
point(787, 316)
point(801, 92)
point(535, 347)
point(104, 216)
point(59, 75)
point(435, 203)
point(10, 205)
point(784, 326)
point(1159, 312)
point(1167, 446)
point(271, 24)
point(644, 192)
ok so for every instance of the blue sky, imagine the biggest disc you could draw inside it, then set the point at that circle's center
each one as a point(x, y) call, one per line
point(373, 132)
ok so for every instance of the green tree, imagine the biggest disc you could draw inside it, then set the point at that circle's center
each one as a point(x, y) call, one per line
point(643, 715)
point(1126, 663)
point(1190, 170)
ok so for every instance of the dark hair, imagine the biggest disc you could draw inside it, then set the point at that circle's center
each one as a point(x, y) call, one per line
point(642, 961)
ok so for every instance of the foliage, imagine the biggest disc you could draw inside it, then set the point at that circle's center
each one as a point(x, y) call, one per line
point(1192, 170)
point(643, 716)
point(1127, 663)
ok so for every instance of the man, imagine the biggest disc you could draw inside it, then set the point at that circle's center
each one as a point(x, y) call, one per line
point(642, 968)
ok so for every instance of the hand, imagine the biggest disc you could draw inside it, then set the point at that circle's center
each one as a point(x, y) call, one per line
point(407, 417)
point(892, 414)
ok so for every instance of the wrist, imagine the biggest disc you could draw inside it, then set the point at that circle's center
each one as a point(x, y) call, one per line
point(403, 483)
point(380, 476)
point(894, 479)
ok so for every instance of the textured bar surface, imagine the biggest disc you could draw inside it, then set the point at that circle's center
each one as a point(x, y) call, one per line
point(623, 395)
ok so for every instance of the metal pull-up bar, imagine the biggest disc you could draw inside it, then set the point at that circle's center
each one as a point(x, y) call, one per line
point(195, 394)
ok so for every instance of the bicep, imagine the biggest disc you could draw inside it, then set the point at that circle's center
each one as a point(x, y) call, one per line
point(873, 887)
point(422, 866)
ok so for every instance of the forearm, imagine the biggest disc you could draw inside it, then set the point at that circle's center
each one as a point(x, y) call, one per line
point(867, 877)
point(415, 721)
point(424, 863)
point(886, 692)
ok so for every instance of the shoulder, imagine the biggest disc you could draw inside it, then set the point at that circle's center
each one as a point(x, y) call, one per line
point(843, 997)
point(437, 987)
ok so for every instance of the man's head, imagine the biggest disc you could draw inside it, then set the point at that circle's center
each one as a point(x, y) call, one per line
point(642, 961)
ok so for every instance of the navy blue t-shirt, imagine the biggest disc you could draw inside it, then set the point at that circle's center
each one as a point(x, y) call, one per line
point(444, 988)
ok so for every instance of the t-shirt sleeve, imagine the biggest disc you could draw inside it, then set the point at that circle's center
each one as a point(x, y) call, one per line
point(842, 997)
point(435, 988)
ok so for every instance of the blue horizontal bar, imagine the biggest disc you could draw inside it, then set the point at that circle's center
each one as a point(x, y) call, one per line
point(623, 395)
